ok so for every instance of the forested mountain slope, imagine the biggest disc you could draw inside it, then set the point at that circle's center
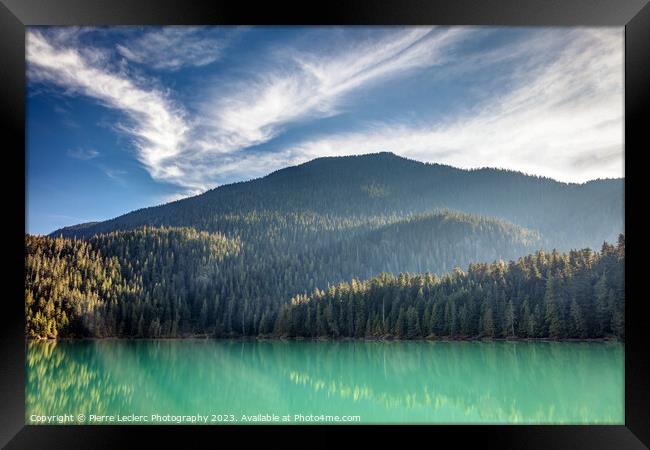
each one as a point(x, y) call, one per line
point(227, 262)
point(102, 286)
point(355, 188)
point(180, 281)
point(429, 242)
point(577, 295)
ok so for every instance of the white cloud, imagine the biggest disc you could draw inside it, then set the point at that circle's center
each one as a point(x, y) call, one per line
point(116, 175)
point(564, 119)
point(174, 47)
point(83, 154)
point(157, 125)
point(558, 113)
point(313, 84)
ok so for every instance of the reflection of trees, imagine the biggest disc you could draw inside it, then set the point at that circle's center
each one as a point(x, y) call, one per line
point(423, 381)
point(69, 379)
point(145, 377)
point(484, 381)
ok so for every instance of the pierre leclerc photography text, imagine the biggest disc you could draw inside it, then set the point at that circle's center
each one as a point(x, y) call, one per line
point(196, 419)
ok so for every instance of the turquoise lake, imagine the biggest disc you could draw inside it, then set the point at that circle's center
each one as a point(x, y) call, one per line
point(302, 381)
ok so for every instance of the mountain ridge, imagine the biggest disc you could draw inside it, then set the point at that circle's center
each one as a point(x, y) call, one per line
point(570, 214)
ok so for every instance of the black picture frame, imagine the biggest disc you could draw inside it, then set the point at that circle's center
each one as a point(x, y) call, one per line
point(15, 15)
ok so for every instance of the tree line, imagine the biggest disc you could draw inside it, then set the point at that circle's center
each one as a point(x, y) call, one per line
point(579, 294)
point(168, 282)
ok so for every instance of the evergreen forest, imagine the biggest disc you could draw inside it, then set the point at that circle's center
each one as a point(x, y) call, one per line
point(372, 246)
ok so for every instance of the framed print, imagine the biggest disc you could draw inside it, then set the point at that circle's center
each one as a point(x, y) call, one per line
point(385, 217)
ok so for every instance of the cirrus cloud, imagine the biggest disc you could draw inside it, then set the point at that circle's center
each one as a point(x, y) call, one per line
point(157, 125)
point(553, 106)
point(82, 153)
point(175, 47)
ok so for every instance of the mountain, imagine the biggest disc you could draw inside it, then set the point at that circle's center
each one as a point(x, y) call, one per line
point(230, 261)
point(178, 281)
point(97, 287)
point(551, 295)
point(175, 282)
point(385, 185)
point(429, 242)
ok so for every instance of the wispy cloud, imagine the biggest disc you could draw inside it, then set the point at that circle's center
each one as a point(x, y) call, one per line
point(172, 48)
point(557, 111)
point(83, 154)
point(65, 117)
point(157, 125)
point(314, 83)
point(565, 112)
point(117, 175)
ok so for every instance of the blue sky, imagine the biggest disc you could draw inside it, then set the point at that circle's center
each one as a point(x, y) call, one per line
point(121, 118)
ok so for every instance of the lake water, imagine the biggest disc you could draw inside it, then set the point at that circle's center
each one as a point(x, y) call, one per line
point(380, 382)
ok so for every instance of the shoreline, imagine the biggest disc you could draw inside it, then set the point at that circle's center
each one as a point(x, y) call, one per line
point(324, 339)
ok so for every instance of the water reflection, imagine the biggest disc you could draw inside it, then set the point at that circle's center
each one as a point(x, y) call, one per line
point(383, 382)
